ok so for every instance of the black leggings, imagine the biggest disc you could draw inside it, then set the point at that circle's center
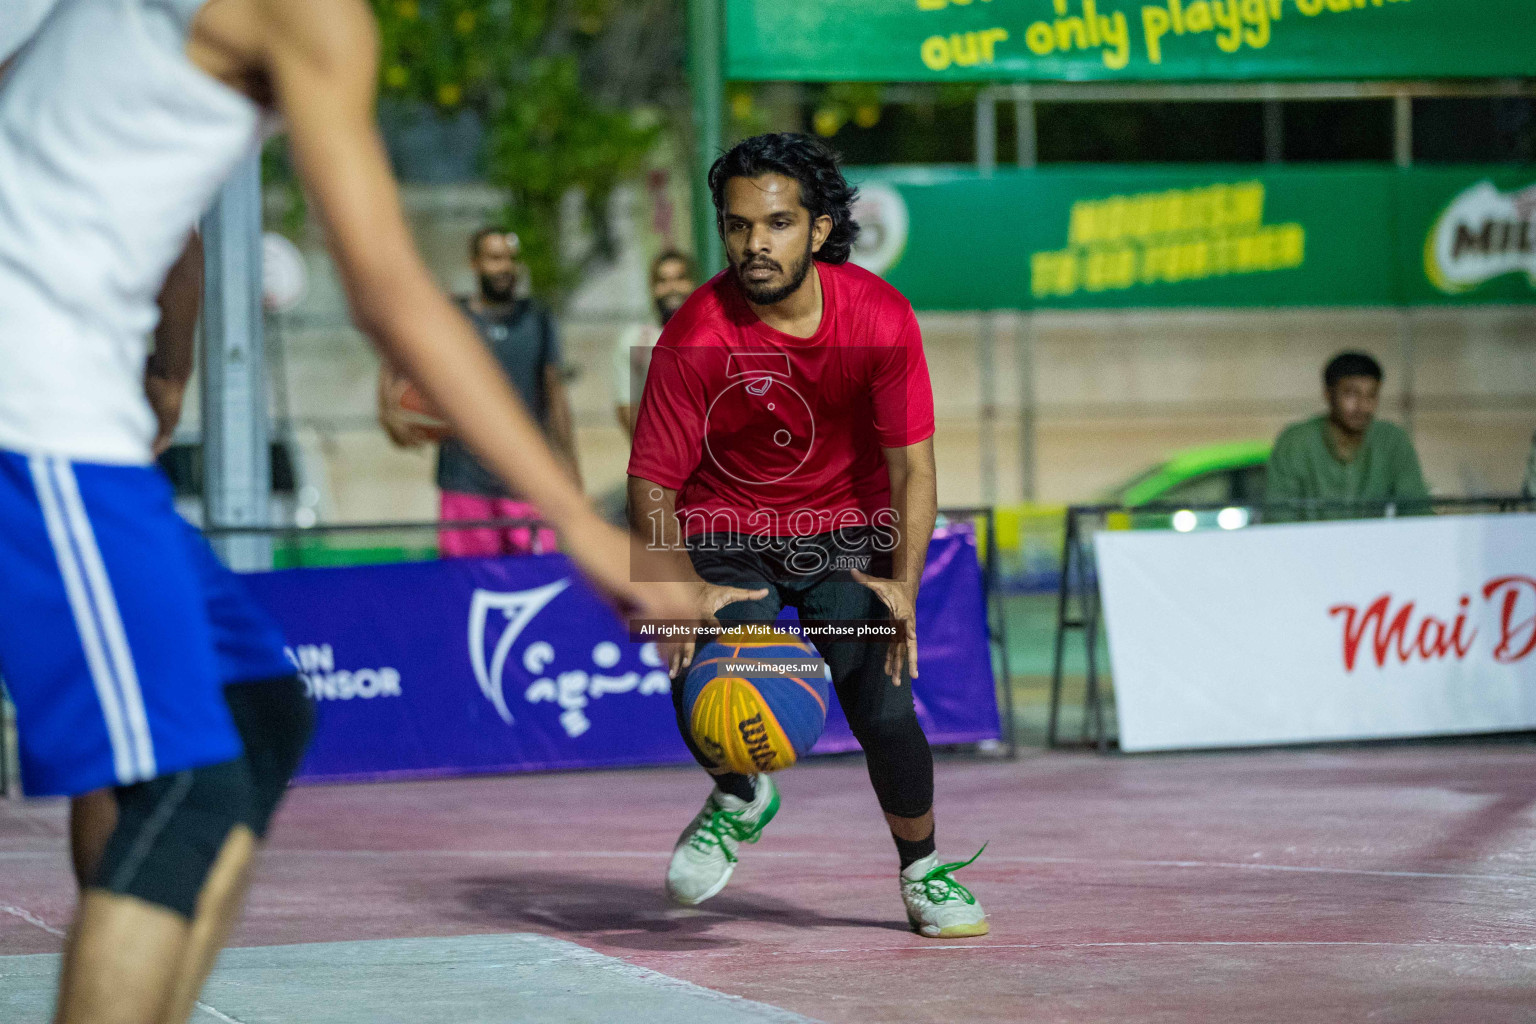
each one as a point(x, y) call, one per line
point(811, 575)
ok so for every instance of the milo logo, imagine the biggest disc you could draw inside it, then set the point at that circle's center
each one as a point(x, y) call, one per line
point(755, 735)
point(1483, 234)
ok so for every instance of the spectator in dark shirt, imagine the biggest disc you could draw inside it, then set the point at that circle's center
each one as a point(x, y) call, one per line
point(522, 335)
point(1347, 460)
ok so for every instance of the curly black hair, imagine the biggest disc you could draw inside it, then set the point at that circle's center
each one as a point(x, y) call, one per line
point(823, 189)
point(1350, 364)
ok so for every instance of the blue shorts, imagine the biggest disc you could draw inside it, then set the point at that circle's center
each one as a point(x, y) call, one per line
point(248, 644)
point(118, 628)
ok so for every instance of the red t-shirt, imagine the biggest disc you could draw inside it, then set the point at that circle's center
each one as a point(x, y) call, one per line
point(761, 432)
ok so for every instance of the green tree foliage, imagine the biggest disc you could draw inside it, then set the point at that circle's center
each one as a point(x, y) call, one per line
point(561, 111)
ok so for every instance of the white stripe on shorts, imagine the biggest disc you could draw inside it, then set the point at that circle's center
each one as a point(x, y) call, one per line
point(126, 674)
point(85, 622)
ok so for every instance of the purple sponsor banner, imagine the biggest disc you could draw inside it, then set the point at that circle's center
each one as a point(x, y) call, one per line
point(477, 665)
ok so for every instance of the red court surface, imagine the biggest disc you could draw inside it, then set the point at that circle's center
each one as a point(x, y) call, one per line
point(1383, 884)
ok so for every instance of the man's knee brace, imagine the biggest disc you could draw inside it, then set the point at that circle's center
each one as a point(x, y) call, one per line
point(170, 831)
point(275, 721)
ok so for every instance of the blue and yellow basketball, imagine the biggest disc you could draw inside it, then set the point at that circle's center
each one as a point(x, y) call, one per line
point(754, 721)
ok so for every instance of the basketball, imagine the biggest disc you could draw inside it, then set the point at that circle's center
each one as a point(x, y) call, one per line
point(753, 720)
point(415, 410)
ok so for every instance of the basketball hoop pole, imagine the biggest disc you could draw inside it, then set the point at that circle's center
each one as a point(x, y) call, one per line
point(237, 481)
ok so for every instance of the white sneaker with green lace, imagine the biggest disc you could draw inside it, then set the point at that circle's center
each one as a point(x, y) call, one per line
point(938, 906)
point(705, 855)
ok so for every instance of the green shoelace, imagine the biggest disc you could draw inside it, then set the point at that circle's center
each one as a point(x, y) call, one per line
point(939, 887)
point(721, 825)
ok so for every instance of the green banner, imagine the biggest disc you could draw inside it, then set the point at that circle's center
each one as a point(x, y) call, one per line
point(1467, 236)
point(1128, 40)
point(1077, 238)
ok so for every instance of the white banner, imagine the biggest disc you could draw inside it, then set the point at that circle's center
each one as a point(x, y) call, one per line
point(1321, 631)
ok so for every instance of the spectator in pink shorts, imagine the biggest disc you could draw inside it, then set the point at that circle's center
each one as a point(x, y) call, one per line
point(458, 506)
point(522, 336)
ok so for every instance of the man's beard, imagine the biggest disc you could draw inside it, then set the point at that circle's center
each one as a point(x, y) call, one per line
point(668, 305)
point(767, 296)
point(498, 288)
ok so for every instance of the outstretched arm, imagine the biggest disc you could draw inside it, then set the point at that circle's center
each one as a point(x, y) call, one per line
point(653, 516)
point(322, 60)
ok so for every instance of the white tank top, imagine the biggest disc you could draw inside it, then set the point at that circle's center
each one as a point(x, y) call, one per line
point(19, 23)
point(112, 145)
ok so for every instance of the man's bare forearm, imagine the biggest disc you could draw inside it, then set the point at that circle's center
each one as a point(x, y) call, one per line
point(915, 499)
point(653, 513)
point(323, 62)
point(653, 517)
point(180, 301)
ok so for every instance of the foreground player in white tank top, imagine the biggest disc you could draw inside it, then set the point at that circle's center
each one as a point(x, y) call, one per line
point(119, 119)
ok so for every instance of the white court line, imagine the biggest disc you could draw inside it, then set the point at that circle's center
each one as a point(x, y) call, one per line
point(30, 918)
point(802, 854)
point(1521, 946)
point(569, 950)
point(487, 854)
point(1153, 943)
point(1259, 866)
point(805, 854)
point(35, 921)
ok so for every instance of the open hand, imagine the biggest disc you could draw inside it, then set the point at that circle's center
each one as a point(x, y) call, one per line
point(643, 584)
point(901, 599)
point(707, 599)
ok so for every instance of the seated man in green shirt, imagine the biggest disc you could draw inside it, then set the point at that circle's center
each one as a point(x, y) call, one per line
point(1528, 489)
point(1349, 462)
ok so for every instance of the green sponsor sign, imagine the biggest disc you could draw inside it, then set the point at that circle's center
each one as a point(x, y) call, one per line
point(1467, 237)
point(1087, 40)
point(1075, 238)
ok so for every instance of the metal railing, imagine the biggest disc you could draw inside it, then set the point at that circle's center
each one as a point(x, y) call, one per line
point(1078, 606)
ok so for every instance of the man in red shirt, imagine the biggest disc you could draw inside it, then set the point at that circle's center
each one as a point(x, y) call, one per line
point(786, 437)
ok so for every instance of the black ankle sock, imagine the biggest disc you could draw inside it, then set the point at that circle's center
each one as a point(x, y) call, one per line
point(739, 786)
point(913, 850)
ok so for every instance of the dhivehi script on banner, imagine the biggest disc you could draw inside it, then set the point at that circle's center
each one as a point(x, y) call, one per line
point(515, 664)
point(1321, 631)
